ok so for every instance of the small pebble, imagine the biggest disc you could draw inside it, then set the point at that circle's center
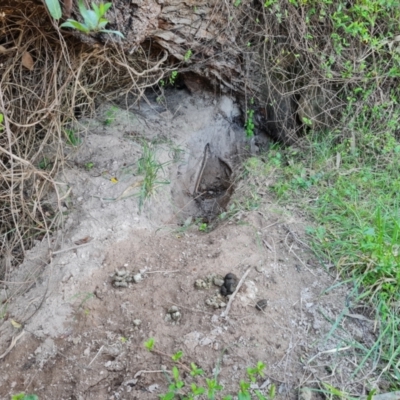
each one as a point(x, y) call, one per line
point(262, 304)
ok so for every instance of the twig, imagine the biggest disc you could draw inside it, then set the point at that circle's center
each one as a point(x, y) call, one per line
point(162, 271)
point(161, 353)
point(100, 350)
point(148, 372)
point(228, 307)
point(70, 248)
point(267, 245)
point(13, 343)
point(328, 352)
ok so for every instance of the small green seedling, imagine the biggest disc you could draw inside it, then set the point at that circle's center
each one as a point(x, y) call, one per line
point(93, 19)
point(244, 393)
point(258, 370)
point(307, 121)
point(212, 388)
point(149, 344)
point(1, 122)
point(44, 163)
point(89, 165)
point(110, 115)
point(72, 138)
point(177, 356)
point(195, 371)
point(249, 125)
point(203, 227)
point(172, 78)
point(85, 296)
point(187, 56)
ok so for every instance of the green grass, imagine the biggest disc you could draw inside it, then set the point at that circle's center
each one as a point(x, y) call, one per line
point(149, 167)
point(352, 195)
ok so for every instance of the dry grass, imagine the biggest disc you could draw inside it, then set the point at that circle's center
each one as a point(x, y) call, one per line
point(45, 80)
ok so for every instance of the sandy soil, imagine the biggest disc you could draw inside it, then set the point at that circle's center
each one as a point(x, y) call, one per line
point(81, 337)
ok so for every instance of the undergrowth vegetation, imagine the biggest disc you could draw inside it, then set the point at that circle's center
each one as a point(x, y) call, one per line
point(340, 61)
point(194, 383)
point(352, 198)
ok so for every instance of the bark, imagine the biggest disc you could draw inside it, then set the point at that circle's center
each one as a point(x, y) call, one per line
point(218, 35)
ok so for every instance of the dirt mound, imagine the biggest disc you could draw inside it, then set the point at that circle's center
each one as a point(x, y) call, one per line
point(82, 334)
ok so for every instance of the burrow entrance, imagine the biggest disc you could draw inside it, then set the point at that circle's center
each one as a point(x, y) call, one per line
point(206, 173)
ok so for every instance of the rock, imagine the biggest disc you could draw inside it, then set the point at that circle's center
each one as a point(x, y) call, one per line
point(137, 322)
point(262, 304)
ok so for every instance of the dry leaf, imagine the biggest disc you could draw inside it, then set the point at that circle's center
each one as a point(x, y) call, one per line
point(86, 239)
point(2, 49)
point(129, 189)
point(27, 61)
point(15, 324)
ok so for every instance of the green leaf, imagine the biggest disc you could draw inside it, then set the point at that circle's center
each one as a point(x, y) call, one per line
point(91, 20)
point(259, 395)
point(149, 344)
point(272, 391)
point(197, 390)
point(168, 396)
point(71, 23)
point(82, 9)
point(106, 7)
point(177, 356)
point(102, 23)
point(97, 10)
point(18, 396)
point(175, 373)
point(244, 396)
point(54, 8)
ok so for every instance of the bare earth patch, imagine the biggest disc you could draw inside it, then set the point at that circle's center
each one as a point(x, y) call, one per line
point(83, 336)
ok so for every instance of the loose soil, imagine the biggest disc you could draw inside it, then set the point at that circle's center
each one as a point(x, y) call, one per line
point(82, 337)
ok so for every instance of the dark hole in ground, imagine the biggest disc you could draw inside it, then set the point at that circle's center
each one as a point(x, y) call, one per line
point(214, 186)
